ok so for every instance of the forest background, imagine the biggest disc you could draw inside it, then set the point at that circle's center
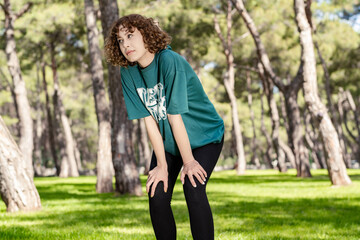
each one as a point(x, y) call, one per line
point(267, 125)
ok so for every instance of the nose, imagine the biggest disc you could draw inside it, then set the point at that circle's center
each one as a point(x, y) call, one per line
point(126, 43)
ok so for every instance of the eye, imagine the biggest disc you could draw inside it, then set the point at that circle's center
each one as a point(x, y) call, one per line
point(130, 35)
point(120, 41)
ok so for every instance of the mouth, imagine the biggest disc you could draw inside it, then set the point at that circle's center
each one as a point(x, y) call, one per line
point(129, 52)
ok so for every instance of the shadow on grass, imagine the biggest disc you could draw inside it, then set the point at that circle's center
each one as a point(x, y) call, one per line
point(76, 211)
point(332, 217)
point(274, 178)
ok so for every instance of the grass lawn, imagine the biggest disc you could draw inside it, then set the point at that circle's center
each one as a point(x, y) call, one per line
point(259, 205)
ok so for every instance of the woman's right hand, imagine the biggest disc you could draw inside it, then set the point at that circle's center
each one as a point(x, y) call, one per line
point(155, 176)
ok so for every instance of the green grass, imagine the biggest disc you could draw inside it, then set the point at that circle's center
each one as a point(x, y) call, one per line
point(259, 205)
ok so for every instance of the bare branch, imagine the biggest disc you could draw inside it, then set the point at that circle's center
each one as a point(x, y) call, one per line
point(23, 10)
point(238, 39)
point(261, 52)
point(251, 69)
point(229, 23)
point(218, 31)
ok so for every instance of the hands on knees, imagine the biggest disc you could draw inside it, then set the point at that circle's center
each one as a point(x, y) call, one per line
point(157, 175)
point(193, 169)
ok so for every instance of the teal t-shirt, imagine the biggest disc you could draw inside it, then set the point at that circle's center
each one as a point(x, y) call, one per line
point(170, 86)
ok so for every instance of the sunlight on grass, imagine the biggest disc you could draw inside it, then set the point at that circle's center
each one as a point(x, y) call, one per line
point(259, 205)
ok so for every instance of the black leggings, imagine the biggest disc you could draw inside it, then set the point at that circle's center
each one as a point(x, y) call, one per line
point(201, 220)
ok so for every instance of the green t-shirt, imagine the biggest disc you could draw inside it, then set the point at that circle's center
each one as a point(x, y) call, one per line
point(170, 86)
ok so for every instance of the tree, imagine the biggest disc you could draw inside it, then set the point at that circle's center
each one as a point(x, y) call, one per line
point(17, 188)
point(65, 140)
point(104, 163)
point(254, 145)
point(229, 83)
point(336, 166)
point(126, 174)
point(290, 93)
point(279, 147)
point(143, 143)
point(26, 143)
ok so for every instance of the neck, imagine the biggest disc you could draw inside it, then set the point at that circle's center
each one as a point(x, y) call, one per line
point(146, 60)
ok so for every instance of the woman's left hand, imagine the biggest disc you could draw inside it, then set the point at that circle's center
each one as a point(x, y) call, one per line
point(191, 169)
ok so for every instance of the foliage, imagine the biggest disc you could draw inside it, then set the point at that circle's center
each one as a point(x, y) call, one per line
point(190, 23)
point(259, 205)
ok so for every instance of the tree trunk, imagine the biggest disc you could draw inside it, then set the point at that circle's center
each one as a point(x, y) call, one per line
point(331, 107)
point(296, 137)
point(229, 83)
point(346, 104)
point(38, 127)
point(284, 115)
point(126, 174)
point(65, 139)
point(335, 163)
point(341, 99)
point(50, 122)
point(69, 168)
point(144, 149)
point(104, 165)
point(77, 156)
point(268, 152)
point(311, 139)
point(288, 152)
point(254, 146)
point(275, 120)
point(17, 188)
point(26, 143)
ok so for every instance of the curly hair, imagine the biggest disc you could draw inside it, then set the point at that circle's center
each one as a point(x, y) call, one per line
point(155, 39)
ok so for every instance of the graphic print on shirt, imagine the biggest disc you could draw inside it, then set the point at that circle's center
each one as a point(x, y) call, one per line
point(154, 100)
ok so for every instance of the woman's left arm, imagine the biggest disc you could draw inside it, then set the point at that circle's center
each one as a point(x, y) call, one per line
point(191, 166)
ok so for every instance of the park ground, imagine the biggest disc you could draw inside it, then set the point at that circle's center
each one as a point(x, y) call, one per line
point(259, 205)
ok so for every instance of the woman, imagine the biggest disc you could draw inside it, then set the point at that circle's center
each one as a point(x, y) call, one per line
point(182, 124)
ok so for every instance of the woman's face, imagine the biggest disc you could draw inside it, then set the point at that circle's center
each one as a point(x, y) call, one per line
point(133, 47)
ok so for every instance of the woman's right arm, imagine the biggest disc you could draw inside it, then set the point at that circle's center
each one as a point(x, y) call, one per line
point(160, 172)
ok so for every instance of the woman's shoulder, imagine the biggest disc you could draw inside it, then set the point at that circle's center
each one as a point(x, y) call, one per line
point(168, 57)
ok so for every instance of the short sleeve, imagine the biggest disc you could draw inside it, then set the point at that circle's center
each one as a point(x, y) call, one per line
point(175, 84)
point(134, 106)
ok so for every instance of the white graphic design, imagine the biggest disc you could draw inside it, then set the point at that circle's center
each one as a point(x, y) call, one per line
point(154, 101)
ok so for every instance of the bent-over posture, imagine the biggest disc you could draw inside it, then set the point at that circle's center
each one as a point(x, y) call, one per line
point(183, 126)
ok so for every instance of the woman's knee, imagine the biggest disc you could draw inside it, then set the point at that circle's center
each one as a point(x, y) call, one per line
point(195, 194)
point(160, 198)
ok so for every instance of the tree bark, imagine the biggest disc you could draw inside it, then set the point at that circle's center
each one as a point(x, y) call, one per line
point(335, 163)
point(26, 143)
point(229, 83)
point(126, 174)
point(17, 188)
point(104, 165)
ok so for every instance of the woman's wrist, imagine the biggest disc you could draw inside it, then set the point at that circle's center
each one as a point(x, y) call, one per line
point(162, 165)
point(187, 162)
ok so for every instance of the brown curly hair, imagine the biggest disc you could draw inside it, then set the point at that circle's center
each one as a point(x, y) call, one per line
point(154, 37)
